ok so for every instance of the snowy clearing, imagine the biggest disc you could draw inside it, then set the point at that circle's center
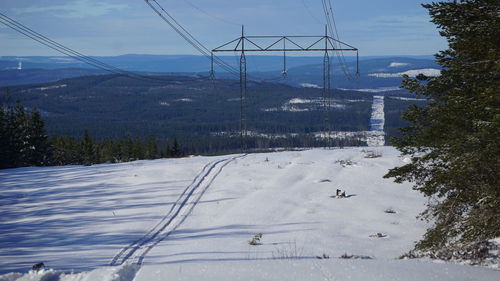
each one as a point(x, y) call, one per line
point(407, 99)
point(303, 105)
point(398, 64)
point(193, 218)
point(376, 90)
point(430, 72)
point(376, 136)
point(309, 85)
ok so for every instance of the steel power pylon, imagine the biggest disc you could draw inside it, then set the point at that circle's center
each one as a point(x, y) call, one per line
point(322, 43)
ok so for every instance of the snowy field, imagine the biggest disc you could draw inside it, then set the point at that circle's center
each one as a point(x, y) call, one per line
point(193, 218)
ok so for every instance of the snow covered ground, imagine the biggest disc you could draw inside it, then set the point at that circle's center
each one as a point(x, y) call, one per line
point(430, 72)
point(192, 219)
point(376, 135)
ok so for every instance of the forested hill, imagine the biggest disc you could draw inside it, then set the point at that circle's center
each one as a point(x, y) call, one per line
point(116, 106)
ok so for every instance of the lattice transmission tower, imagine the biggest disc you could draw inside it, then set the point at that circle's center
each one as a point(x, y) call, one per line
point(284, 44)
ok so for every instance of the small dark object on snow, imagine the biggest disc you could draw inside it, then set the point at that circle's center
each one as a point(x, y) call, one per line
point(323, 257)
point(390, 211)
point(378, 235)
point(339, 194)
point(346, 256)
point(38, 266)
point(256, 240)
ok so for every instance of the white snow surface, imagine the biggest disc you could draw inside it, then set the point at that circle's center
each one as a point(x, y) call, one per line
point(407, 99)
point(376, 135)
point(309, 85)
point(398, 64)
point(376, 90)
point(430, 72)
point(75, 219)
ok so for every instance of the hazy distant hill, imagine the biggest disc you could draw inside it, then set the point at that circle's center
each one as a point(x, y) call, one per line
point(35, 75)
point(302, 71)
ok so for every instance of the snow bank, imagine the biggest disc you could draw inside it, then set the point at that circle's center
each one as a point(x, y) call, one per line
point(275, 270)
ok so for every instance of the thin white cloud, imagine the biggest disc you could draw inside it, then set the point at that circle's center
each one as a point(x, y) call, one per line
point(75, 9)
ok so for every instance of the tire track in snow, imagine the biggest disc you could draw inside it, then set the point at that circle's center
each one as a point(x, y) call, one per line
point(182, 208)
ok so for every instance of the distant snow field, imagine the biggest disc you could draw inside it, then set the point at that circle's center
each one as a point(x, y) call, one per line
point(398, 64)
point(376, 90)
point(304, 105)
point(193, 219)
point(407, 99)
point(309, 85)
point(430, 72)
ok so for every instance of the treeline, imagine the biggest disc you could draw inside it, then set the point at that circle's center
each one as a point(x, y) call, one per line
point(23, 143)
point(86, 151)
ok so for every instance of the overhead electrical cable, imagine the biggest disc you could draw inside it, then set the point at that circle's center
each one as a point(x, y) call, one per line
point(195, 43)
point(308, 9)
point(328, 11)
point(188, 37)
point(30, 33)
point(341, 57)
point(196, 7)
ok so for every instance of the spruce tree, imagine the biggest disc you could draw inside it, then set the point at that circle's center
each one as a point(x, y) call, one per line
point(18, 137)
point(38, 151)
point(126, 149)
point(88, 149)
point(151, 148)
point(138, 150)
point(453, 142)
point(175, 151)
point(4, 143)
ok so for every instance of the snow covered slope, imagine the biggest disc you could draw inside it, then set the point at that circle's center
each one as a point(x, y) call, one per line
point(192, 219)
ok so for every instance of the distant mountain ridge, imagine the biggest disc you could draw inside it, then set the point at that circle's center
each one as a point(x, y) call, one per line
point(301, 70)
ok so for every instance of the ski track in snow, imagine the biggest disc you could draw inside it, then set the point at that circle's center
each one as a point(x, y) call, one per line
point(136, 252)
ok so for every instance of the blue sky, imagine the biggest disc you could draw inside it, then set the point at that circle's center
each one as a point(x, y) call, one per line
point(115, 27)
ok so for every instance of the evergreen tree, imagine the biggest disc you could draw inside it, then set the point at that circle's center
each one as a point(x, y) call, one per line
point(18, 136)
point(126, 149)
point(38, 151)
point(4, 143)
point(138, 150)
point(454, 141)
point(175, 151)
point(106, 151)
point(88, 149)
point(165, 153)
point(151, 148)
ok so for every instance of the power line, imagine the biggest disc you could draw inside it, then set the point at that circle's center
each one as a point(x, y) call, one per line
point(328, 11)
point(188, 37)
point(32, 34)
point(310, 12)
point(209, 14)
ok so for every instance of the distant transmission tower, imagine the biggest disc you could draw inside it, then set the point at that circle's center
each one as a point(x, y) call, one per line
point(286, 44)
